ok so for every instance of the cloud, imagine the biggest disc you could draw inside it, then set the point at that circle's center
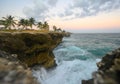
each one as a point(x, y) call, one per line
point(44, 9)
point(86, 8)
point(52, 2)
point(41, 8)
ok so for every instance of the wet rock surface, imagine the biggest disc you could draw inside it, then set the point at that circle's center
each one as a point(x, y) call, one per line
point(12, 71)
point(108, 70)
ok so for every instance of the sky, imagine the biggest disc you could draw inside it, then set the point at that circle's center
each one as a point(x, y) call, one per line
point(79, 16)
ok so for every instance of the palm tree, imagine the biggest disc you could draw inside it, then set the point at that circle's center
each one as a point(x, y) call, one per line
point(8, 22)
point(45, 26)
point(21, 23)
point(31, 22)
point(2, 22)
point(24, 23)
point(40, 25)
point(59, 30)
point(54, 28)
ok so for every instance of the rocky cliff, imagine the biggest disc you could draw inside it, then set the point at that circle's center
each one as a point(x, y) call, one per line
point(12, 71)
point(108, 70)
point(31, 48)
point(20, 50)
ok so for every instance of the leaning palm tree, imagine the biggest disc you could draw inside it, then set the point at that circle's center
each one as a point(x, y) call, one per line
point(59, 30)
point(31, 22)
point(45, 26)
point(54, 28)
point(39, 25)
point(8, 22)
point(24, 23)
point(21, 23)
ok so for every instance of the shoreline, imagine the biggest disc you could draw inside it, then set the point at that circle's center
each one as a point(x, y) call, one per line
point(25, 49)
point(19, 51)
point(108, 69)
point(30, 45)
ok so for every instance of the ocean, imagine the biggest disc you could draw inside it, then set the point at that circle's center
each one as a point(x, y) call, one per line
point(76, 58)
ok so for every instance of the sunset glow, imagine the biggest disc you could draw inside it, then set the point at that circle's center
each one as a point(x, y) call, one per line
point(66, 16)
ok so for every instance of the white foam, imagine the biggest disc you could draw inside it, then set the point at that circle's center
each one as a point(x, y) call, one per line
point(98, 60)
point(40, 73)
point(70, 69)
point(69, 72)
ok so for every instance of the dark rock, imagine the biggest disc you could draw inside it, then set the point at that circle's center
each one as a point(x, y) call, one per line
point(20, 50)
point(108, 69)
point(14, 73)
point(31, 48)
point(67, 34)
point(87, 81)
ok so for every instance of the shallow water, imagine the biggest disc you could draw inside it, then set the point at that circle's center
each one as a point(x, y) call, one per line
point(76, 58)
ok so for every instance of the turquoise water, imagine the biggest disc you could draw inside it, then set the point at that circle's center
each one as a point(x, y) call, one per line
point(96, 44)
point(76, 58)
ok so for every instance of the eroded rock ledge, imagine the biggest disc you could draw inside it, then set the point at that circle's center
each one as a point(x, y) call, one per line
point(20, 50)
point(108, 70)
point(31, 48)
point(12, 71)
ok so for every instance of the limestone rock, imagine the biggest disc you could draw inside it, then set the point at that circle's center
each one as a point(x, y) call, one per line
point(14, 73)
point(31, 48)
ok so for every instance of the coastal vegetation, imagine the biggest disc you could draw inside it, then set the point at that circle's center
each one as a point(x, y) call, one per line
point(26, 43)
point(9, 23)
point(33, 46)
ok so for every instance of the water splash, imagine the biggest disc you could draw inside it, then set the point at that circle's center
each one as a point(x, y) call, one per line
point(40, 73)
point(68, 72)
point(70, 69)
point(76, 58)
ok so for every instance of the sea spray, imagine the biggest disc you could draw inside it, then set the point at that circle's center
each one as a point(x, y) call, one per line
point(40, 73)
point(74, 65)
point(76, 58)
point(67, 72)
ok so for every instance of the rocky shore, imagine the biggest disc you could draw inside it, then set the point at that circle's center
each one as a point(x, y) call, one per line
point(12, 71)
point(108, 70)
point(31, 48)
point(20, 51)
